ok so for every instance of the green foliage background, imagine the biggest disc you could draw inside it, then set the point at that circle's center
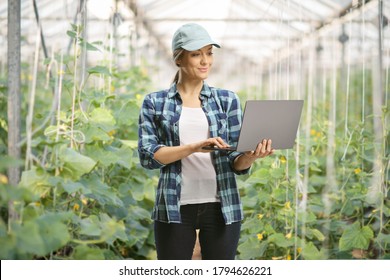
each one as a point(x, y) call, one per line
point(83, 195)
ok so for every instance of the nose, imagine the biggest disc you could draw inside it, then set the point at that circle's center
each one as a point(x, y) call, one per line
point(204, 59)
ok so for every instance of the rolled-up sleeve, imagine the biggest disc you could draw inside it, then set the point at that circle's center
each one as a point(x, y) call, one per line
point(232, 158)
point(148, 141)
point(234, 126)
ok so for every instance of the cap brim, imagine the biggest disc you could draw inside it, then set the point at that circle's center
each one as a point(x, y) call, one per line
point(194, 46)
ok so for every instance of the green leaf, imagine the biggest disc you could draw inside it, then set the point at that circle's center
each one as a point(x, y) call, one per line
point(310, 252)
point(83, 252)
point(7, 161)
point(252, 225)
point(8, 247)
point(50, 131)
point(384, 239)
point(306, 217)
point(356, 237)
point(94, 133)
point(260, 176)
point(29, 239)
point(77, 163)
point(101, 192)
point(279, 194)
point(280, 240)
point(277, 173)
point(105, 157)
point(36, 181)
point(91, 47)
point(99, 70)
point(53, 232)
point(34, 177)
point(136, 233)
point(132, 144)
point(112, 229)
point(71, 34)
point(73, 187)
point(90, 226)
point(125, 155)
point(139, 213)
point(137, 190)
point(103, 119)
point(252, 248)
point(128, 114)
point(17, 193)
point(316, 233)
point(386, 211)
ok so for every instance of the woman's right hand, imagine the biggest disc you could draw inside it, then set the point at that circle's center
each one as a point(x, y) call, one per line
point(215, 141)
point(166, 155)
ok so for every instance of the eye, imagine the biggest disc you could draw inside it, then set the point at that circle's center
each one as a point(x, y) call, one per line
point(194, 54)
point(210, 53)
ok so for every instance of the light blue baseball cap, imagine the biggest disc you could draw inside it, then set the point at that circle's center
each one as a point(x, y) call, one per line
point(192, 37)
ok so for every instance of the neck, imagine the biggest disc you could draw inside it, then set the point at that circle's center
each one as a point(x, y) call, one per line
point(189, 87)
point(189, 91)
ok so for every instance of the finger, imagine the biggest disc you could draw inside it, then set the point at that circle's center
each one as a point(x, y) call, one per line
point(222, 142)
point(264, 146)
point(269, 146)
point(218, 141)
point(258, 149)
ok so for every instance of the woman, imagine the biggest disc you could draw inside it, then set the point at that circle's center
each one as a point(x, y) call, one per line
point(197, 187)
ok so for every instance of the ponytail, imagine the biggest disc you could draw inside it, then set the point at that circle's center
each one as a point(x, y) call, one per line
point(176, 78)
point(177, 55)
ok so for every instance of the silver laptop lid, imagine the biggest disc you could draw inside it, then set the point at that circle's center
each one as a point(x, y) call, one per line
point(277, 120)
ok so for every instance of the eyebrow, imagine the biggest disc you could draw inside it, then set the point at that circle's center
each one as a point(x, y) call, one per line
point(211, 47)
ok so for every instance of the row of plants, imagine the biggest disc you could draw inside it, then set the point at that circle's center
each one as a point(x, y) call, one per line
point(297, 208)
point(84, 195)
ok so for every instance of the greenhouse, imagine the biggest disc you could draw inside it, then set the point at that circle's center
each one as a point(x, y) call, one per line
point(75, 76)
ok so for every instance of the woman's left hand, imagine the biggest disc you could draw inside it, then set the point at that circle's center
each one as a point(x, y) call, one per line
point(263, 149)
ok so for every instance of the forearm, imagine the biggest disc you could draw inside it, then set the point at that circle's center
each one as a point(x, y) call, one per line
point(243, 162)
point(167, 155)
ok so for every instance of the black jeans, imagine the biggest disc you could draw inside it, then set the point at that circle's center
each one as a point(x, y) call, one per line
point(217, 241)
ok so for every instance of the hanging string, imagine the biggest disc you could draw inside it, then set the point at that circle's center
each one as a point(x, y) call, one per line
point(299, 184)
point(74, 91)
point(346, 130)
point(330, 186)
point(83, 14)
point(387, 81)
point(364, 82)
point(299, 188)
point(30, 113)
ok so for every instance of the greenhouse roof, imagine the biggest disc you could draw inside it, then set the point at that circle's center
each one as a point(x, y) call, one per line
point(251, 32)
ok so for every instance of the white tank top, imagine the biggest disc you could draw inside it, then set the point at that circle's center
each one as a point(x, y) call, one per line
point(199, 182)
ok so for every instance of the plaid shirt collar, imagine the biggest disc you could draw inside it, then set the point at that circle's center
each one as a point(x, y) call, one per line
point(205, 92)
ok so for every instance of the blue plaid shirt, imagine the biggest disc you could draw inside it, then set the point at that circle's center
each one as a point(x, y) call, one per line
point(159, 127)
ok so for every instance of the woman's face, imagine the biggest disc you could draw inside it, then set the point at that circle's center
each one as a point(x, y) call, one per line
point(195, 65)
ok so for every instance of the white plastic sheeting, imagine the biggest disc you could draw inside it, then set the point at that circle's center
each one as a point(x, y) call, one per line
point(254, 34)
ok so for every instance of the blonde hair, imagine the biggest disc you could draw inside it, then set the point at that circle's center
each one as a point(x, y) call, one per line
point(177, 55)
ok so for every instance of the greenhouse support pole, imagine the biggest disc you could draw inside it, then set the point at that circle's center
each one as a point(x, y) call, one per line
point(375, 193)
point(14, 87)
point(40, 28)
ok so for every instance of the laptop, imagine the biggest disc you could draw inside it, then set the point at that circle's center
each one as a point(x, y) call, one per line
point(277, 120)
